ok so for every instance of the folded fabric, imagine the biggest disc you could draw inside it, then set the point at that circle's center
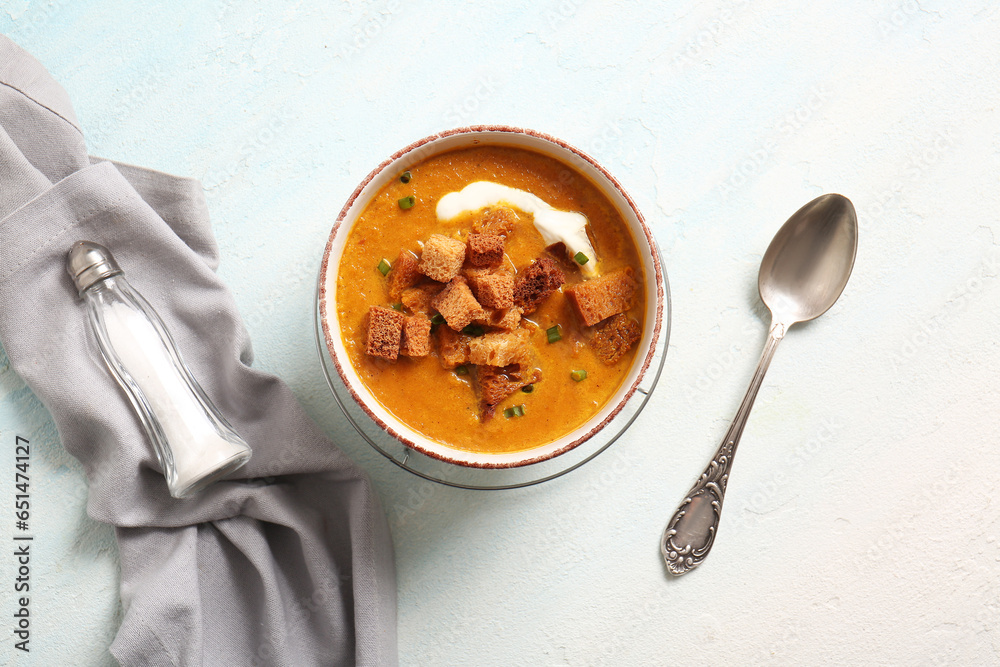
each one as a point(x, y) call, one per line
point(289, 562)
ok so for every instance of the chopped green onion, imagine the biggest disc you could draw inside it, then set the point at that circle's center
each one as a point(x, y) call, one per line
point(437, 319)
point(553, 334)
point(397, 306)
point(528, 388)
point(579, 376)
point(581, 259)
point(407, 202)
point(405, 177)
point(461, 370)
point(473, 330)
point(516, 411)
point(384, 266)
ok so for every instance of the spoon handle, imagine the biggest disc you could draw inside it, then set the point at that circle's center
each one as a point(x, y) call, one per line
point(691, 532)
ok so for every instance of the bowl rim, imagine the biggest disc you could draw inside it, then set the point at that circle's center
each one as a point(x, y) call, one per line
point(498, 131)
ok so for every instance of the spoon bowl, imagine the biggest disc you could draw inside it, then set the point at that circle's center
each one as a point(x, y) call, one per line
point(803, 273)
point(809, 261)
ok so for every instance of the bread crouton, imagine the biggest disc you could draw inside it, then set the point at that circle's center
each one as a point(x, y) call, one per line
point(416, 340)
point(615, 337)
point(456, 304)
point(453, 348)
point(506, 319)
point(500, 349)
point(535, 283)
point(405, 273)
point(495, 220)
point(385, 332)
point(442, 258)
point(494, 290)
point(473, 272)
point(485, 249)
point(418, 299)
point(602, 297)
point(495, 384)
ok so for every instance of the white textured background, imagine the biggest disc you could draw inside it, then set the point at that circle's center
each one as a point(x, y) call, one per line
point(862, 524)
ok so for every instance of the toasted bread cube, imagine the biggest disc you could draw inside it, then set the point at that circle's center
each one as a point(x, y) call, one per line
point(485, 249)
point(457, 305)
point(538, 281)
point(470, 273)
point(602, 297)
point(385, 332)
point(442, 258)
point(416, 337)
point(405, 273)
point(418, 299)
point(496, 383)
point(494, 290)
point(500, 349)
point(474, 273)
point(495, 220)
point(506, 319)
point(615, 337)
point(453, 348)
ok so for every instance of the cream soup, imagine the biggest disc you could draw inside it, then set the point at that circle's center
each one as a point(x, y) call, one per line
point(573, 375)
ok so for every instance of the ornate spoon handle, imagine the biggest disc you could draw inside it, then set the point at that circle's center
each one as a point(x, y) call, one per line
point(691, 532)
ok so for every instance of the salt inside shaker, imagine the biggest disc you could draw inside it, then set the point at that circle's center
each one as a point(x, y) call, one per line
point(194, 443)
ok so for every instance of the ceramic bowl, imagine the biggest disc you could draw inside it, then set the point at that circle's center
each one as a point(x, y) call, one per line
point(463, 138)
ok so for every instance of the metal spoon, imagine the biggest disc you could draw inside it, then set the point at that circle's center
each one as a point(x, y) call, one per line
point(801, 275)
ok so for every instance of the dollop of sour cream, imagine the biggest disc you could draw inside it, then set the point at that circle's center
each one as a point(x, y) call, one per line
point(555, 226)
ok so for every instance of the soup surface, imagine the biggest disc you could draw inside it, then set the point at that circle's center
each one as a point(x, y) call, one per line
point(446, 404)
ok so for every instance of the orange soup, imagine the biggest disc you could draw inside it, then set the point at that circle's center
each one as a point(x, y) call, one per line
point(425, 303)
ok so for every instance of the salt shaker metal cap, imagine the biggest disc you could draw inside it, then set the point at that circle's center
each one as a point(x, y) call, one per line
point(89, 262)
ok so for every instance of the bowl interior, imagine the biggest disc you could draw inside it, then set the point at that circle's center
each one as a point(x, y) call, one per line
point(463, 138)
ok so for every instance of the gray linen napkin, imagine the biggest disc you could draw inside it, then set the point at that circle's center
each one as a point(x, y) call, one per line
point(291, 563)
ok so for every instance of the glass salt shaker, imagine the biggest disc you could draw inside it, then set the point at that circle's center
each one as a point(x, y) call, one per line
point(194, 443)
